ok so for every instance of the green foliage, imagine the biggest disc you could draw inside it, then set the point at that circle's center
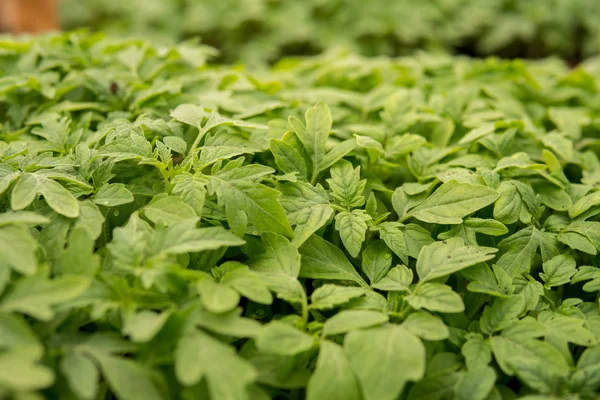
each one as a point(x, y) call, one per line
point(267, 30)
point(333, 227)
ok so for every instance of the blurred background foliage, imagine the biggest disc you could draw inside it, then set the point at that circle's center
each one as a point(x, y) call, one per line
point(265, 30)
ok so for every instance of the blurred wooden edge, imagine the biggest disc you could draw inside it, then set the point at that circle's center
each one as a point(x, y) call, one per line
point(28, 16)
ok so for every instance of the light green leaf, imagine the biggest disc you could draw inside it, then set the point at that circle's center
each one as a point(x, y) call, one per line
point(507, 349)
point(36, 295)
point(502, 313)
point(191, 189)
point(333, 378)
point(477, 352)
point(444, 258)
point(228, 324)
point(436, 297)
point(217, 298)
point(384, 359)
point(328, 296)
point(287, 158)
point(453, 201)
point(18, 249)
point(397, 279)
point(279, 256)
point(377, 260)
point(584, 204)
point(81, 373)
point(128, 379)
point(393, 237)
point(20, 371)
point(486, 226)
point(346, 186)
point(350, 320)
point(259, 202)
point(352, 227)
point(249, 285)
point(144, 325)
point(337, 153)
point(570, 329)
point(168, 210)
point(59, 198)
point(24, 191)
point(322, 260)
point(22, 218)
point(559, 270)
point(199, 356)
point(113, 195)
point(426, 326)
point(475, 384)
point(183, 237)
point(283, 339)
point(315, 134)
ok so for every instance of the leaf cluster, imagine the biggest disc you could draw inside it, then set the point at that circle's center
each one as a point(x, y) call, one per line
point(336, 227)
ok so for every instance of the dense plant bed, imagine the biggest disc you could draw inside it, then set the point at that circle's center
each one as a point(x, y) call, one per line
point(334, 228)
point(260, 30)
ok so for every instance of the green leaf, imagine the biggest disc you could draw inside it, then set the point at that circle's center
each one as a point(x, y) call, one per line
point(394, 238)
point(377, 261)
point(434, 387)
point(486, 226)
point(259, 202)
point(248, 285)
point(168, 210)
point(24, 191)
point(584, 204)
point(475, 384)
point(444, 258)
point(229, 323)
point(59, 198)
point(113, 195)
point(183, 237)
point(337, 153)
point(506, 350)
point(128, 379)
point(199, 356)
point(333, 378)
point(191, 189)
point(81, 373)
point(322, 260)
point(22, 218)
point(436, 297)
point(278, 266)
point(558, 270)
point(477, 352)
point(282, 339)
point(20, 370)
point(397, 279)
point(501, 313)
point(144, 325)
point(384, 359)
point(453, 201)
point(287, 158)
point(350, 320)
point(570, 329)
point(328, 296)
point(36, 295)
point(426, 326)
point(217, 298)
point(346, 186)
point(307, 207)
point(18, 249)
point(315, 134)
point(352, 227)
point(521, 248)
